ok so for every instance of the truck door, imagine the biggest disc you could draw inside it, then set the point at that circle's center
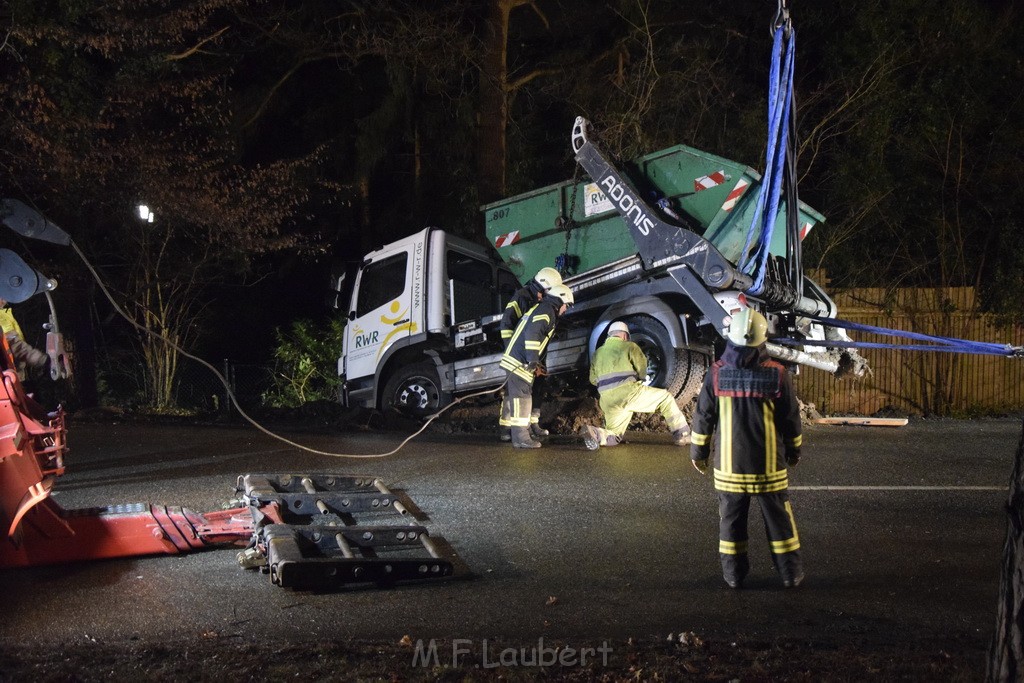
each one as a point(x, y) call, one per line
point(384, 312)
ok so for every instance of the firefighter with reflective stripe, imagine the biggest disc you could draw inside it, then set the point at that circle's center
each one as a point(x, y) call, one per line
point(523, 360)
point(617, 371)
point(750, 398)
point(523, 300)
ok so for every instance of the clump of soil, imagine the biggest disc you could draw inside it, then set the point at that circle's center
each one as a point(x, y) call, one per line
point(808, 412)
point(569, 416)
point(468, 416)
point(891, 411)
point(559, 414)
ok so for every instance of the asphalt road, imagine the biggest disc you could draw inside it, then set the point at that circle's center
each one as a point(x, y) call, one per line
point(901, 530)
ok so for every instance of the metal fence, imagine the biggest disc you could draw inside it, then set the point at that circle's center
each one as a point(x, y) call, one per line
point(916, 382)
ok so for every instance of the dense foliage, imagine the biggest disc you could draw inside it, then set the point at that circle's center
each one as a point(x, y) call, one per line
point(305, 367)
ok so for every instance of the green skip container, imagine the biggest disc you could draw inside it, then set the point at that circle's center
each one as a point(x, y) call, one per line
point(714, 197)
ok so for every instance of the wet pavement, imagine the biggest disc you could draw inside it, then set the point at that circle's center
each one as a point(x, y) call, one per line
point(901, 529)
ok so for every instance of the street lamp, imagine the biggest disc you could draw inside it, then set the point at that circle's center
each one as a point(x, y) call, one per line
point(145, 213)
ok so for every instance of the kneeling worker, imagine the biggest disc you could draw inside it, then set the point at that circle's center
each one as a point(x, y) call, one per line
point(618, 369)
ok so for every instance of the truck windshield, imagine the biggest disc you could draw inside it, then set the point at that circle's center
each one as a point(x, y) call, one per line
point(381, 282)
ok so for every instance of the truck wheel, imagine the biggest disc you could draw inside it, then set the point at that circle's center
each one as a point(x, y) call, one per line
point(691, 366)
point(680, 371)
point(415, 390)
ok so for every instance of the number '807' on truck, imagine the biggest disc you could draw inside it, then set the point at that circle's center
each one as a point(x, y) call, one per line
point(655, 244)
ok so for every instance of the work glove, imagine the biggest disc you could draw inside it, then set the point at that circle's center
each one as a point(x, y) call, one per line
point(700, 465)
point(792, 456)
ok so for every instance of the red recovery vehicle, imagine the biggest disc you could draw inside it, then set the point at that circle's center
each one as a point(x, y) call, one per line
point(299, 528)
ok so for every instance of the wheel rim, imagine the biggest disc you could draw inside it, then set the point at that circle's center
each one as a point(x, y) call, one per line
point(655, 359)
point(418, 393)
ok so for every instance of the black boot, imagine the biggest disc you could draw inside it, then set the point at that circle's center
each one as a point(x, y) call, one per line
point(793, 580)
point(735, 569)
point(521, 438)
point(536, 430)
point(790, 568)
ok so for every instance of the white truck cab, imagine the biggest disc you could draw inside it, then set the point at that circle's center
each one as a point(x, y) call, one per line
point(423, 319)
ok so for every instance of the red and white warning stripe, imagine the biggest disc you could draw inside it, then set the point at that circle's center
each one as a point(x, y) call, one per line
point(506, 239)
point(804, 229)
point(735, 195)
point(709, 181)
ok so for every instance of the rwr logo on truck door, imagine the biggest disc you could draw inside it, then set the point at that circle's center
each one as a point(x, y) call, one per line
point(362, 338)
point(629, 207)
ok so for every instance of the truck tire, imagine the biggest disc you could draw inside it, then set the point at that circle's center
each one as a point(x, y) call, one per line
point(414, 390)
point(680, 371)
point(691, 366)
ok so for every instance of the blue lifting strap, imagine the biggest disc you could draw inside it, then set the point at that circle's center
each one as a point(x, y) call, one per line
point(780, 97)
point(935, 343)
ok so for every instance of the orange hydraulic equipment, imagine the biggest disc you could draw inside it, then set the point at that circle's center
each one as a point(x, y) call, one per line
point(301, 529)
point(37, 530)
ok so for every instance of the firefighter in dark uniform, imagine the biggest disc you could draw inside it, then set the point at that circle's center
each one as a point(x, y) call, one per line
point(523, 300)
point(750, 398)
point(523, 360)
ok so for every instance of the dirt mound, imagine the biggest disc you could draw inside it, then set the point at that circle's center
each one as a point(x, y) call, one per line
point(808, 412)
point(561, 415)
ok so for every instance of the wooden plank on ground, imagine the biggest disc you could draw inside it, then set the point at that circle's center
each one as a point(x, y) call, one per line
point(864, 421)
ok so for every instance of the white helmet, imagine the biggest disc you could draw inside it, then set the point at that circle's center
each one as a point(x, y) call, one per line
point(548, 278)
point(562, 292)
point(748, 328)
point(618, 326)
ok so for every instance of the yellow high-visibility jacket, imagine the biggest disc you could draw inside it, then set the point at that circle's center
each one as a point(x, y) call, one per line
point(617, 362)
point(8, 323)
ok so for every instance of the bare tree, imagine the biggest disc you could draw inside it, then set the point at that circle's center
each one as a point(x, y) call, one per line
point(495, 89)
point(106, 109)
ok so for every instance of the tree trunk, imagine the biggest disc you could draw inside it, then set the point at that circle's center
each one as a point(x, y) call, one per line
point(1006, 655)
point(368, 242)
point(84, 358)
point(417, 172)
point(492, 112)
